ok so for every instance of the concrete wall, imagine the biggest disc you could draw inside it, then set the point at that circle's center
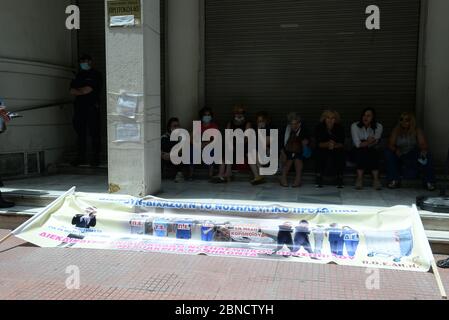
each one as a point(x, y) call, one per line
point(436, 70)
point(184, 60)
point(36, 60)
point(133, 60)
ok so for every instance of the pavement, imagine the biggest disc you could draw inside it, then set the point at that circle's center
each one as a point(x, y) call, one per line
point(28, 272)
point(31, 273)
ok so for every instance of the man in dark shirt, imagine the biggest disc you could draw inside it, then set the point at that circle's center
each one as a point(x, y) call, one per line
point(86, 119)
point(329, 152)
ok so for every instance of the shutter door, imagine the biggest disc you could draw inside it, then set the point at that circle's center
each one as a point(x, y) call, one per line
point(308, 55)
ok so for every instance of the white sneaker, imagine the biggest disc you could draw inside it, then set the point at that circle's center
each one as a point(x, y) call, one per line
point(179, 177)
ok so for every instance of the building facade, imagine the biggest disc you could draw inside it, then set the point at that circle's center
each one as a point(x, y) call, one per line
point(275, 56)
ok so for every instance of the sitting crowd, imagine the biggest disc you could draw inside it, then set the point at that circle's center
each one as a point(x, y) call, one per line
point(405, 154)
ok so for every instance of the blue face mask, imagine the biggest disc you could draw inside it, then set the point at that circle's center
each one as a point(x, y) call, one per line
point(207, 119)
point(85, 66)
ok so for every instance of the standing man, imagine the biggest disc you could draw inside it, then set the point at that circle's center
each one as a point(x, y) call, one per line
point(4, 119)
point(86, 88)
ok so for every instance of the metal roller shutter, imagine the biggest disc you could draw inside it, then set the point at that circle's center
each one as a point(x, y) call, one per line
point(308, 55)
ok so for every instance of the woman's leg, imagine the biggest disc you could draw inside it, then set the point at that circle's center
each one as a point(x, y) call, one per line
point(339, 161)
point(361, 160)
point(392, 166)
point(428, 171)
point(298, 169)
point(410, 161)
point(285, 170)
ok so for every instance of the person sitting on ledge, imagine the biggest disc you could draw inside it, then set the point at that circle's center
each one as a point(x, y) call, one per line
point(408, 150)
point(366, 135)
point(329, 152)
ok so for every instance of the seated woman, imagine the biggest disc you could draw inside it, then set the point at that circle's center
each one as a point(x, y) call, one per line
point(295, 149)
point(329, 152)
point(408, 150)
point(262, 122)
point(366, 135)
point(239, 121)
point(166, 147)
point(207, 122)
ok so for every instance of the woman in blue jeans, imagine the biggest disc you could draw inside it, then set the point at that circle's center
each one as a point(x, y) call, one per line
point(407, 154)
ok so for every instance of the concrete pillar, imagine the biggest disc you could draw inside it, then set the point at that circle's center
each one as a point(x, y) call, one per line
point(184, 60)
point(133, 65)
point(436, 77)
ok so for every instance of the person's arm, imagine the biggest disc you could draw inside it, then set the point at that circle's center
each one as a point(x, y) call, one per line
point(378, 133)
point(392, 140)
point(340, 143)
point(422, 142)
point(320, 138)
point(355, 136)
point(81, 91)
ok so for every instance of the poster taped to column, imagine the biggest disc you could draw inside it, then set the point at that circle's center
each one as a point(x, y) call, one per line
point(391, 238)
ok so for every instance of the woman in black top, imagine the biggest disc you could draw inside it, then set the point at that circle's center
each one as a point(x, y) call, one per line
point(330, 153)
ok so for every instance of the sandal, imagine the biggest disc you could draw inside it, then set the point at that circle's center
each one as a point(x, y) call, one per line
point(283, 183)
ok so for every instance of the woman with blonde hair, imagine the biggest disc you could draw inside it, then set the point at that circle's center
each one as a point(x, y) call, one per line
point(329, 152)
point(408, 150)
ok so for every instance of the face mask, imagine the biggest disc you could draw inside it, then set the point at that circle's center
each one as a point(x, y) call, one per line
point(207, 119)
point(239, 119)
point(84, 66)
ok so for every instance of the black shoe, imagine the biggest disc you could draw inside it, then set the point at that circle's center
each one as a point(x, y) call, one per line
point(319, 182)
point(443, 264)
point(6, 204)
point(339, 182)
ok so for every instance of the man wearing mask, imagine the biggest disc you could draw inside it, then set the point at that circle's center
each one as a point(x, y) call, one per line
point(86, 119)
point(4, 119)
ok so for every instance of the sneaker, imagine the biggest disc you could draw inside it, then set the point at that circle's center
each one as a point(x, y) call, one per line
point(359, 184)
point(179, 177)
point(393, 184)
point(377, 185)
point(258, 181)
point(339, 182)
point(319, 182)
point(218, 179)
point(430, 186)
point(443, 264)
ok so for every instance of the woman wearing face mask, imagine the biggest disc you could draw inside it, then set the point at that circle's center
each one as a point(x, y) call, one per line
point(166, 148)
point(207, 122)
point(263, 123)
point(295, 149)
point(366, 135)
point(239, 121)
point(408, 149)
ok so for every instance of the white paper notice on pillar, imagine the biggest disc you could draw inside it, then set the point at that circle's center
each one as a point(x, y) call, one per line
point(122, 21)
point(127, 132)
point(127, 105)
